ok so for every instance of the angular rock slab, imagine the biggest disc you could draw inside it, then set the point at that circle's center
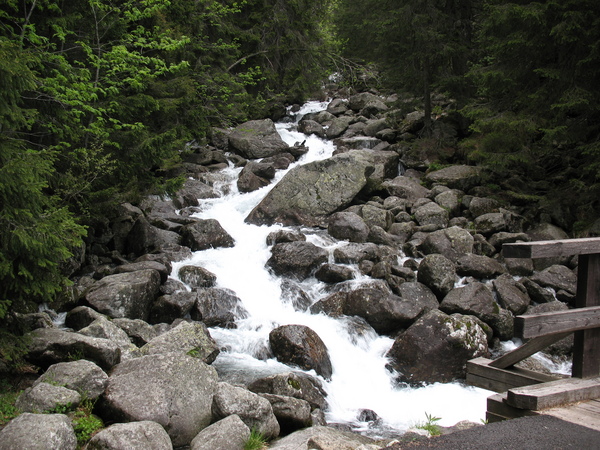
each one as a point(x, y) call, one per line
point(308, 194)
point(38, 432)
point(126, 294)
point(172, 389)
point(50, 346)
point(144, 435)
point(44, 397)
point(81, 376)
point(324, 438)
point(230, 433)
point(301, 346)
point(437, 347)
point(257, 139)
point(256, 412)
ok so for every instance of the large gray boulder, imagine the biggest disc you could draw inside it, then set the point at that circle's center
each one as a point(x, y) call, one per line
point(557, 277)
point(308, 194)
point(82, 376)
point(292, 413)
point(139, 332)
point(292, 384)
point(50, 346)
point(143, 435)
point(453, 243)
point(205, 234)
point(296, 259)
point(126, 294)
point(106, 329)
point(257, 139)
point(456, 177)
point(38, 432)
point(218, 307)
point(44, 397)
point(437, 347)
point(431, 215)
point(256, 412)
point(172, 389)
point(338, 126)
point(474, 299)
point(301, 346)
point(407, 188)
point(167, 308)
point(511, 294)
point(197, 277)
point(188, 338)
point(385, 312)
point(230, 433)
point(438, 273)
point(478, 266)
point(325, 438)
point(347, 225)
point(354, 253)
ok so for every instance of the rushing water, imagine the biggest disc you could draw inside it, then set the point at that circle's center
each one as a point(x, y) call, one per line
point(360, 379)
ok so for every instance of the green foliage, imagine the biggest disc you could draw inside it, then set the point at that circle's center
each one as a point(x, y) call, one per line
point(8, 397)
point(85, 423)
point(256, 441)
point(430, 425)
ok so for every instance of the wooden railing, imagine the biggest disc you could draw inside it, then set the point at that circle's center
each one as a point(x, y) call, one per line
point(541, 330)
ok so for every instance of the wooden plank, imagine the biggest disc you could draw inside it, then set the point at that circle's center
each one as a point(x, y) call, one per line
point(496, 404)
point(586, 348)
point(551, 249)
point(526, 350)
point(480, 374)
point(554, 393)
point(534, 325)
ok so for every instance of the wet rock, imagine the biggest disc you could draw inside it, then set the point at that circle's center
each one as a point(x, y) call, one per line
point(333, 305)
point(143, 265)
point(296, 259)
point(205, 234)
point(292, 384)
point(143, 435)
point(438, 273)
point(300, 346)
point(81, 316)
point(292, 293)
point(188, 338)
point(167, 308)
point(354, 253)
point(230, 433)
point(38, 432)
point(512, 295)
point(257, 139)
point(256, 412)
point(474, 299)
point(557, 277)
point(536, 292)
point(333, 273)
point(291, 413)
point(385, 312)
point(158, 388)
point(437, 347)
point(50, 346)
point(348, 226)
point(311, 127)
point(218, 307)
point(281, 236)
point(197, 277)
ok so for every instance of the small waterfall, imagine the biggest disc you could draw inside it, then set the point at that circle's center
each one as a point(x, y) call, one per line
point(360, 379)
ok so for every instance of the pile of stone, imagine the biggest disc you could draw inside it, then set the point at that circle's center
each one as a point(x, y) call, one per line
point(429, 241)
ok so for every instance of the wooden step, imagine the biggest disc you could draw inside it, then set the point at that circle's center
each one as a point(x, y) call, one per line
point(554, 393)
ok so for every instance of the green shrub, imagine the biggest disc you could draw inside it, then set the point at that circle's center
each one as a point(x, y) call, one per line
point(256, 441)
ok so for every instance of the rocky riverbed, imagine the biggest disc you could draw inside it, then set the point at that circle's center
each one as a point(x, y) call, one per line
point(426, 244)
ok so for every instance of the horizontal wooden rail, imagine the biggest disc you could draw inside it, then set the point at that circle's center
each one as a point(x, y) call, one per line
point(551, 249)
point(542, 324)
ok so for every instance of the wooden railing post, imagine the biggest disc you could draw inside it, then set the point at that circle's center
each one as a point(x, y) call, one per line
point(586, 349)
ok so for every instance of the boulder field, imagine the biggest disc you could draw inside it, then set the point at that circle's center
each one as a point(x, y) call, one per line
point(427, 237)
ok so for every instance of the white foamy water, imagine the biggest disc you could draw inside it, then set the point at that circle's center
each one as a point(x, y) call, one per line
point(360, 379)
